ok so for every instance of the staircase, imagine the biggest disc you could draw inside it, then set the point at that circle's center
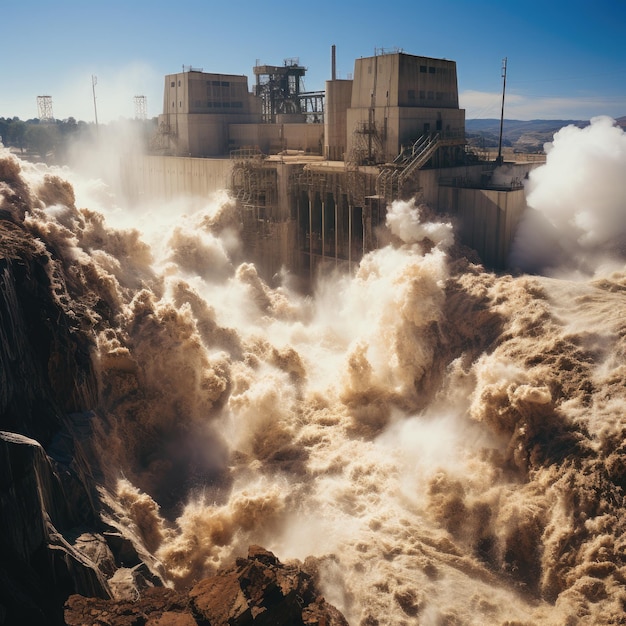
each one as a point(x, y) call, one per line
point(393, 176)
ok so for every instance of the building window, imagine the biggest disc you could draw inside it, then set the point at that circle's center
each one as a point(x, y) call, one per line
point(431, 95)
point(173, 104)
point(422, 69)
point(439, 95)
point(422, 94)
point(236, 105)
point(225, 83)
point(172, 84)
point(215, 83)
point(411, 95)
point(179, 83)
point(180, 103)
point(431, 70)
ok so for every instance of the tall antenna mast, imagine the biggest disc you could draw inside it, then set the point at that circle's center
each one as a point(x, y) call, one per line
point(499, 159)
point(94, 82)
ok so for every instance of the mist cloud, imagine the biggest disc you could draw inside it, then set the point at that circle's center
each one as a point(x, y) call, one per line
point(577, 204)
point(431, 438)
point(404, 219)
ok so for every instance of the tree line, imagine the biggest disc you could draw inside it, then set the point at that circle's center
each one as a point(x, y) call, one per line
point(51, 140)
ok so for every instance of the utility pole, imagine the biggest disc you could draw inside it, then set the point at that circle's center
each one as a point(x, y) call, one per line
point(94, 82)
point(499, 159)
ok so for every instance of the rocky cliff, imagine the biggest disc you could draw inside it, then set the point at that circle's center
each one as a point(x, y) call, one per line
point(57, 539)
point(47, 388)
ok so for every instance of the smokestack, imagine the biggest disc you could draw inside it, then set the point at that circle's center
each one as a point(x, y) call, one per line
point(333, 63)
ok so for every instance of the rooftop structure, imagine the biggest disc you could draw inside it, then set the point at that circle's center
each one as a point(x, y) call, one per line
point(279, 88)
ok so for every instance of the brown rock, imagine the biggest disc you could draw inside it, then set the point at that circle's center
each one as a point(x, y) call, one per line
point(154, 603)
point(257, 590)
point(172, 619)
point(262, 590)
point(220, 598)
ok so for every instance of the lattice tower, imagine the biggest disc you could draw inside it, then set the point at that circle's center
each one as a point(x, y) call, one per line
point(141, 107)
point(44, 107)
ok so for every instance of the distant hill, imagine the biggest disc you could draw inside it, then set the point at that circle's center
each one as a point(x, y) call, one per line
point(521, 135)
point(518, 127)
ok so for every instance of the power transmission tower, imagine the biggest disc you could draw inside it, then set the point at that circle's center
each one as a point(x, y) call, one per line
point(44, 107)
point(141, 107)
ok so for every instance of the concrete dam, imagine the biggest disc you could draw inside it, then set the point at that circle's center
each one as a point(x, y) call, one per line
point(314, 172)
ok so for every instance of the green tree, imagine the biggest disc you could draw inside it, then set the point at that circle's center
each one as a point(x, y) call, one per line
point(4, 131)
point(42, 138)
point(67, 127)
point(17, 133)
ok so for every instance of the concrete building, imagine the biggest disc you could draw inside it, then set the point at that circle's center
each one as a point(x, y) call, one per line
point(197, 110)
point(396, 99)
point(393, 100)
point(209, 115)
point(313, 173)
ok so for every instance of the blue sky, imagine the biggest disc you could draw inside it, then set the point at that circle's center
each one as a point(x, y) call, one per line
point(566, 60)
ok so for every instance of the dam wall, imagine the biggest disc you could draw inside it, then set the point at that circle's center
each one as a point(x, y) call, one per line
point(485, 220)
point(146, 177)
point(299, 222)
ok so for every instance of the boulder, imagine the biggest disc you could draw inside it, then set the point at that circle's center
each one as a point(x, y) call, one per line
point(256, 590)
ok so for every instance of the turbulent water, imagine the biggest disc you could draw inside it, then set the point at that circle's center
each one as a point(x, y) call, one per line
point(441, 444)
